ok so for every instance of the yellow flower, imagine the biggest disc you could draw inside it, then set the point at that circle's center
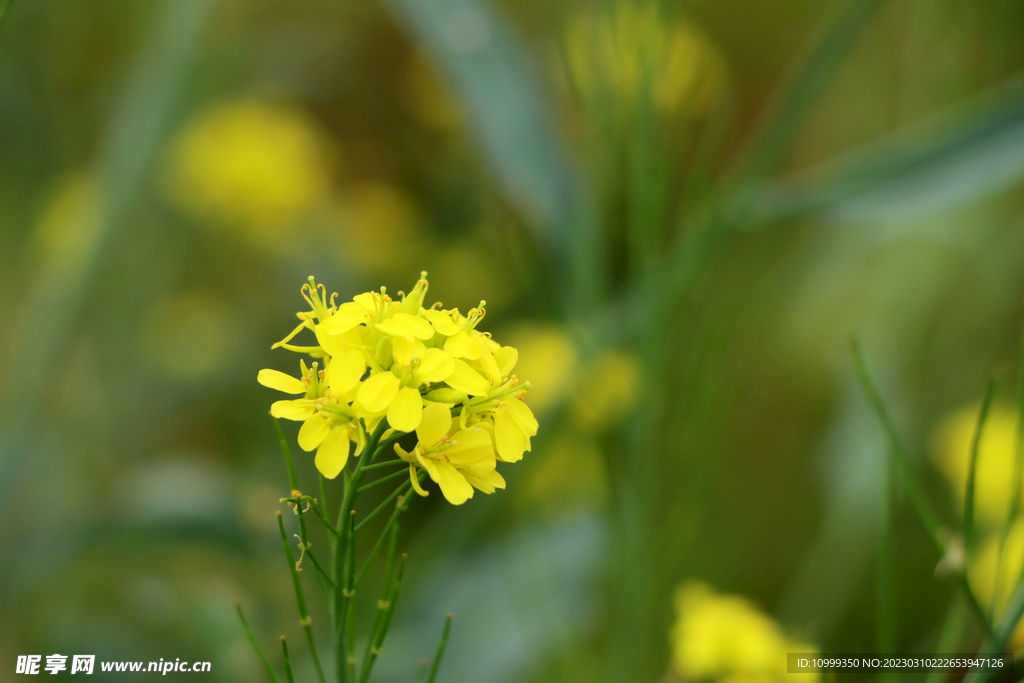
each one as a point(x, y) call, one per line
point(456, 459)
point(395, 360)
point(254, 167)
point(329, 421)
point(635, 51)
point(397, 390)
point(727, 638)
point(996, 451)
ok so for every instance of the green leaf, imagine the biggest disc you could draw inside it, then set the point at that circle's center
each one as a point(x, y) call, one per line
point(510, 115)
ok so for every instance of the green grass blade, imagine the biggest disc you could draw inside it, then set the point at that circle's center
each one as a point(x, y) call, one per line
point(1004, 628)
point(986, 404)
point(440, 648)
point(255, 644)
point(797, 97)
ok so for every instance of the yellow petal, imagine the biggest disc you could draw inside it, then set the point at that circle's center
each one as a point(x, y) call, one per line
point(406, 410)
point(435, 424)
point(523, 416)
point(407, 349)
point(345, 369)
point(471, 445)
point(435, 366)
point(453, 485)
point(377, 392)
point(292, 410)
point(442, 322)
point(461, 345)
point(367, 301)
point(275, 379)
point(506, 357)
point(313, 432)
point(345, 318)
point(416, 481)
point(508, 436)
point(336, 344)
point(404, 455)
point(446, 395)
point(487, 482)
point(333, 453)
point(467, 380)
point(408, 326)
point(487, 360)
point(429, 465)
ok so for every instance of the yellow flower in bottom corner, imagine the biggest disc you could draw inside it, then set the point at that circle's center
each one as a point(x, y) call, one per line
point(727, 638)
point(456, 459)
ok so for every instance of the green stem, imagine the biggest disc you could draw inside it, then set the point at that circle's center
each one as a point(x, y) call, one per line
point(996, 642)
point(387, 501)
point(382, 603)
point(440, 648)
point(386, 463)
point(341, 600)
point(287, 662)
point(904, 476)
point(255, 643)
point(377, 639)
point(382, 480)
point(392, 525)
point(1018, 473)
point(300, 597)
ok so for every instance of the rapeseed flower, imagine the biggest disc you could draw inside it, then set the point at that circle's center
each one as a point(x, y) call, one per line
point(727, 638)
point(458, 460)
point(423, 370)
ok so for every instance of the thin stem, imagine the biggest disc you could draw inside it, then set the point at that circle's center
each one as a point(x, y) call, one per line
point(319, 568)
point(300, 597)
point(377, 639)
point(382, 603)
point(986, 404)
point(904, 475)
point(255, 643)
point(287, 662)
point(341, 600)
point(387, 501)
point(996, 642)
point(440, 648)
point(293, 481)
point(382, 480)
point(392, 525)
point(350, 591)
point(385, 463)
point(326, 522)
point(885, 608)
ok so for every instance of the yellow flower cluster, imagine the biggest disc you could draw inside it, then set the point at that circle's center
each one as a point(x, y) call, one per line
point(727, 638)
point(424, 370)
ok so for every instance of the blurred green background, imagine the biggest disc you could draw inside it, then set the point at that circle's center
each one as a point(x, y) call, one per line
point(677, 212)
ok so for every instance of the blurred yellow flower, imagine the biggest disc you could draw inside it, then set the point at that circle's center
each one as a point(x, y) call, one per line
point(69, 225)
point(190, 335)
point(252, 167)
point(548, 357)
point(608, 390)
point(370, 214)
point(984, 570)
point(632, 49)
point(996, 451)
point(727, 638)
point(570, 477)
